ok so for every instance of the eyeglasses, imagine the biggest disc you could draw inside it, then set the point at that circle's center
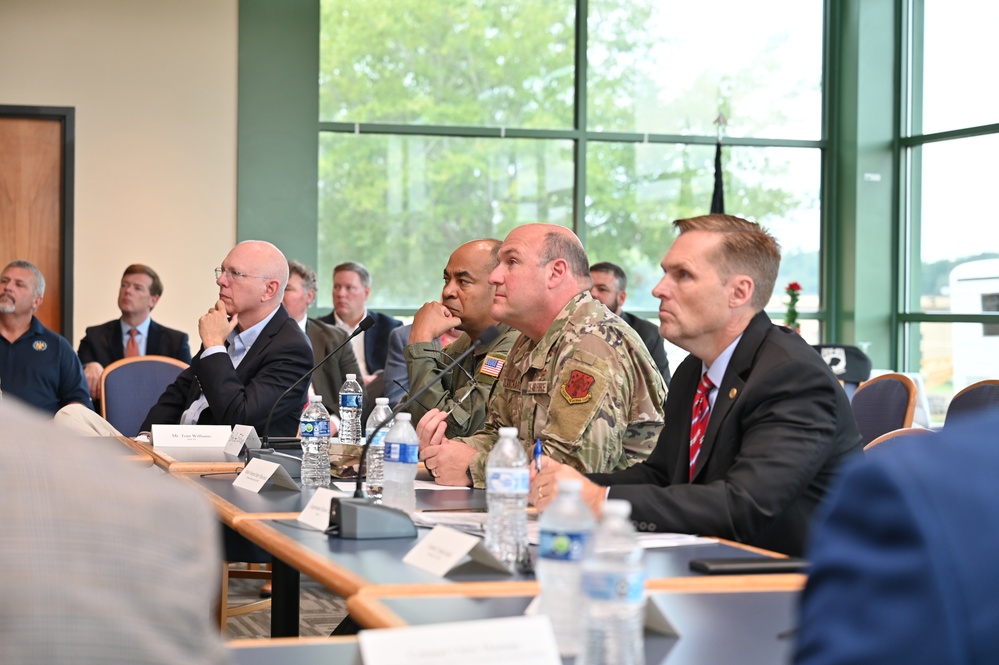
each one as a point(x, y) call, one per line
point(235, 275)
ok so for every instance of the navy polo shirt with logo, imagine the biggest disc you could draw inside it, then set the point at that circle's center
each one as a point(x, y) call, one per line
point(42, 369)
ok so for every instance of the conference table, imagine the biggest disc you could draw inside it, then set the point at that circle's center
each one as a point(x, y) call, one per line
point(362, 571)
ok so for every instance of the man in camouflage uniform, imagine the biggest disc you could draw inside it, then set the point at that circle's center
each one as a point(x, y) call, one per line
point(578, 378)
point(465, 304)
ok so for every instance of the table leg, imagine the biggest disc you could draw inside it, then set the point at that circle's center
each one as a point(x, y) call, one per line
point(284, 600)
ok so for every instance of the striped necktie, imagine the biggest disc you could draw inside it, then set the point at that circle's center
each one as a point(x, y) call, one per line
point(699, 419)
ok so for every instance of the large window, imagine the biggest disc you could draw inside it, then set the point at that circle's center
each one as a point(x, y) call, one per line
point(443, 121)
point(951, 271)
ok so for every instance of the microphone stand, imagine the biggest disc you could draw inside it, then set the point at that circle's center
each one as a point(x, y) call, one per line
point(365, 323)
point(487, 337)
point(357, 517)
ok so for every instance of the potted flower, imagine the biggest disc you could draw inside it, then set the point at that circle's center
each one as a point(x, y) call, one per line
point(793, 292)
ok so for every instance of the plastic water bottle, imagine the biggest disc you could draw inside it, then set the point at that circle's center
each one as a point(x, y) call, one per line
point(614, 590)
point(507, 481)
point(315, 435)
point(566, 527)
point(402, 453)
point(374, 473)
point(350, 412)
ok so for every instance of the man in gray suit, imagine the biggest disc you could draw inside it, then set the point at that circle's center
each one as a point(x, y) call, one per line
point(326, 381)
point(103, 562)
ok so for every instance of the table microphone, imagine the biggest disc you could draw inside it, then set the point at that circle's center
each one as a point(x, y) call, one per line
point(358, 517)
point(365, 323)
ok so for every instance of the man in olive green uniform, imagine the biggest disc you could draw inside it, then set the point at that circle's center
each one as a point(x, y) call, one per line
point(466, 302)
point(578, 378)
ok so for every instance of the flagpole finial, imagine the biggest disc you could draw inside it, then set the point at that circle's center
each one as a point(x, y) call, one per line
point(721, 122)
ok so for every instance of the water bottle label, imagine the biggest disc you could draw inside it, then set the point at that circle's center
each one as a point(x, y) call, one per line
point(406, 453)
point(379, 438)
point(508, 481)
point(559, 546)
point(620, 586)
point(315, 428)
point(348, 400)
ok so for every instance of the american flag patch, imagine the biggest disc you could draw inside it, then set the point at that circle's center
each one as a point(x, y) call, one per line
point(492, 366)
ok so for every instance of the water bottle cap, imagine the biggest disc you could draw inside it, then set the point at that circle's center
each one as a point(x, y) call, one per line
point(381, 401)
point(407, 416)
point(617, 508)
point(317, 398)
point(572, 485)
point(508, 431)
point(351, 377)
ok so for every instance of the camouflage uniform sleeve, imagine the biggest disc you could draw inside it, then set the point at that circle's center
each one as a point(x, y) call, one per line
point(421, 365)
point(603, 414)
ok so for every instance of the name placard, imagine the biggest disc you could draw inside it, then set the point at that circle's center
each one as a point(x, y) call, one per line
point(316, 514)
point(521, 640)
point(443, 548)
point(191, 436)
point(655, 616)
point(242, 435)
point(260, 474)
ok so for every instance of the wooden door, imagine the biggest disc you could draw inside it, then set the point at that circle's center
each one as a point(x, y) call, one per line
point(36, 172)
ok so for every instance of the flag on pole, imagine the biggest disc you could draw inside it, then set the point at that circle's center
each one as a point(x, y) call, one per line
point(718, 197)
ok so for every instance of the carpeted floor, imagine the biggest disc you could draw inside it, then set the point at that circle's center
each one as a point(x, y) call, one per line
point(320, 610)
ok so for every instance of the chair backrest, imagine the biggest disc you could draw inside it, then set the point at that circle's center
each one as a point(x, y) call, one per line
point(850, 365)
point(898, 435)
point(131, 386)
point(978, 397)
point(884, 404)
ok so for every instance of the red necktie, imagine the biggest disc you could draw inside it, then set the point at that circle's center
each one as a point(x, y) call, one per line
point(132, 348)
point(699, 419)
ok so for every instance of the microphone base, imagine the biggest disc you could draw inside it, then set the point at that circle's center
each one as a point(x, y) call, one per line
point(360, 519)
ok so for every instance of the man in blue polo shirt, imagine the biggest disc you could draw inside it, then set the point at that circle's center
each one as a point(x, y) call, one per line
point(36, 365)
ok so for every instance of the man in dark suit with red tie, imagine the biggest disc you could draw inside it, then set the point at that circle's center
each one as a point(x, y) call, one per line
point(756, 423)
point(135, 333)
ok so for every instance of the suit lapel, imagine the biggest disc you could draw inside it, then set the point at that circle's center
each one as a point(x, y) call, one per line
point(248, 365)
point(117, 345)
point(153, 340)
point(739, 366)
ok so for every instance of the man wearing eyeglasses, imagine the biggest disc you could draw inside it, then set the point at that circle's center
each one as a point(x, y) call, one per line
point(251, 351)
point(465, 304)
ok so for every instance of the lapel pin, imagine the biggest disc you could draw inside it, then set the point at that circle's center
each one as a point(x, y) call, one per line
point(732, 393)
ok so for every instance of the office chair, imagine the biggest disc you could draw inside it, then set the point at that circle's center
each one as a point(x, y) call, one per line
point(883, 404)
point(978, 397)
point(897, 435)
point(131, 386)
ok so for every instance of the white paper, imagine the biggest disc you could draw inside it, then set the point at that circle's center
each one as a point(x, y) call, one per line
point(260, 474)
point(191, 436)
point(443, 548)
point(316, 513)
point(431, 485)
point(655, 540)
point(474, 523)
point(242, 435)
point(520, 640)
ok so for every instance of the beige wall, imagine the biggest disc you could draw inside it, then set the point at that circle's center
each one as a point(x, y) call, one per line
point(154, 84)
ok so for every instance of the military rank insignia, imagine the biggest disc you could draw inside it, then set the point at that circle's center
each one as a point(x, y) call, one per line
point(577, 389)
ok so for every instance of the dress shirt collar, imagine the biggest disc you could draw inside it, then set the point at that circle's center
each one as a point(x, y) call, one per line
point(717, 371)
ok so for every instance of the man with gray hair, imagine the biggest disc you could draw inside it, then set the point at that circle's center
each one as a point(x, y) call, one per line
point(36, 365)
point(326, 381)
point(578, 378)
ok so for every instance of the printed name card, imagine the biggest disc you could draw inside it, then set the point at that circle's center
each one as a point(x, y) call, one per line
point(316, 514)
point(191, 436)
point(242, 435)
point(521, 640)
point(655, 616)
point(260, 474)
point(443, 548)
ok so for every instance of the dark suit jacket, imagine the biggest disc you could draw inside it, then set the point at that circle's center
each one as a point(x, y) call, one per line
point(904, 555)
point(104, 343)
point(780, 426)
point(326, 380)
point(649, 332)
point(375, 338)
point(244, 395)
